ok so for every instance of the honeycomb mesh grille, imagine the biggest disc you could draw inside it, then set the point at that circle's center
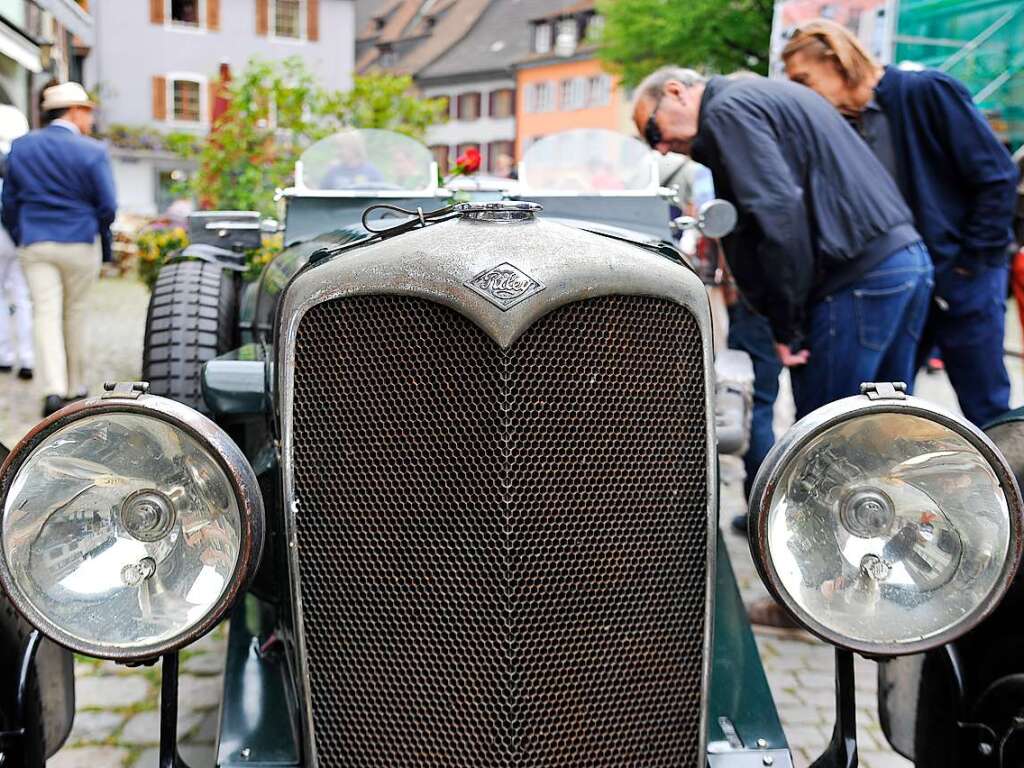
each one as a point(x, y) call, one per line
point(502, 553)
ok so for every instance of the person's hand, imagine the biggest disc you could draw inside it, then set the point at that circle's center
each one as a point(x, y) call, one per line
point(790, 358)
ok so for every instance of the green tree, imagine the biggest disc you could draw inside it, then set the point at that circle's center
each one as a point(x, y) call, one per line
point(721, 35)
point(276, 110)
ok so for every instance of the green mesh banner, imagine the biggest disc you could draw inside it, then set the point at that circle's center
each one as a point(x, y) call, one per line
point(980, 42)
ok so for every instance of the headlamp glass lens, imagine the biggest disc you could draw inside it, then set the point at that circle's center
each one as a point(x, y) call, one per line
point(888, 528)
point(121, 531)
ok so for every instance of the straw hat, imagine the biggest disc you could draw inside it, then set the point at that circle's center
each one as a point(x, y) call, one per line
point(64, 96)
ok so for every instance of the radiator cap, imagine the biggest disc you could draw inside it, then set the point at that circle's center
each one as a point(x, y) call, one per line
point(501, 210)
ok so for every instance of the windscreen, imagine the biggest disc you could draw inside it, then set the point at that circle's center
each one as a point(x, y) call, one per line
point(588, 161)
point(367, 160)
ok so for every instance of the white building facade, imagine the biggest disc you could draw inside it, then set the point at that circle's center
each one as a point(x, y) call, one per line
point(154, 63)
point(481, 114)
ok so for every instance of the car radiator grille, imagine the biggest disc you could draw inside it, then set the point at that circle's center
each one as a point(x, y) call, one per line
point(503, 553)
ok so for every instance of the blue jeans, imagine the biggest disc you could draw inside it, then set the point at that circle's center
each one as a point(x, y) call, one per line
point(868, 331)
point(969, 332)
point(750, 332)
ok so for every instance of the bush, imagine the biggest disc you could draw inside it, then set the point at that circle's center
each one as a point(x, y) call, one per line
point(156, 246)
point(275, 111)
point(258, 258)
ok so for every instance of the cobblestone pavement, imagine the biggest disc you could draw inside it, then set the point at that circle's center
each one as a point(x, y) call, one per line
point(800, 667)
point(117, 721)
point(117, 318)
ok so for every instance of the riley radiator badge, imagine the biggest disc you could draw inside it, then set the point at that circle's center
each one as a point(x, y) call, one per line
point(504, 285)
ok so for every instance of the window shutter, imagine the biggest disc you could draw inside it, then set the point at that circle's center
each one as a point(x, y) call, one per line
point(212, 89)
point(159, 97)
point(262, 17)
point(213, 15)
point(156, 11)
point(313, 20)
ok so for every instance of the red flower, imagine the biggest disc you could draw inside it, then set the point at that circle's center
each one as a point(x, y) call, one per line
point(468, 161)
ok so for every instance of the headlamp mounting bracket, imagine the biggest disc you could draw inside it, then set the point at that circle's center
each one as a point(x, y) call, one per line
point(884, 390)
point(129, 390)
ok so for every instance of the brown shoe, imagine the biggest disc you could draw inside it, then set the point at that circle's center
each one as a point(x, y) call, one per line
point(768, 613)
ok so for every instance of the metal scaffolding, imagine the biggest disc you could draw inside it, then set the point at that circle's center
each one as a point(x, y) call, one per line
point(981, 43)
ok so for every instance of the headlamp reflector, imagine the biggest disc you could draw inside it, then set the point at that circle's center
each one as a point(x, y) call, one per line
point(888, 531)
point(121, 532)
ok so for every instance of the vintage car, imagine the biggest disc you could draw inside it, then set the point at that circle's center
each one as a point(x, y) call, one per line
point(450, 473)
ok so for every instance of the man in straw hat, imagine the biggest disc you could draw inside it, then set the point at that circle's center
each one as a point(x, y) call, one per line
point(58, 205)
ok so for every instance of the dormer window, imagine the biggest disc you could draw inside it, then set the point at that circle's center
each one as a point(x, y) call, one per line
point(387, 56)
point(542, 38)
point(565, 42)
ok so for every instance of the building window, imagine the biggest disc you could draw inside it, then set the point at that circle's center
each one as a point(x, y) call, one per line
point(573, 93)
point(540, 97)
point(595, 28)
point(503, 103)
point(599, 91)
point(501, 158)
point(288, 18)
point(440, 153)
point(170, 187)
point(386, 56)
point(185, 12)
point(541, 38)
point(468, 107)
point(567, 37)
point(186, 100)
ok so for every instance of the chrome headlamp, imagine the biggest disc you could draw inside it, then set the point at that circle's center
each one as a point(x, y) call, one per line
point(886, 526)
point(130, 524)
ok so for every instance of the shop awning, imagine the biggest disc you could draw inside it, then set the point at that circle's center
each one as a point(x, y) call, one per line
point(15, 45)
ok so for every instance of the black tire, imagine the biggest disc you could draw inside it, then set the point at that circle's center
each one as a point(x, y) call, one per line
point(13, 631)
point(192, 318)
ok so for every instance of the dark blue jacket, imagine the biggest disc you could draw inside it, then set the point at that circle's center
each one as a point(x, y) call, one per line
point(58, 187)
point(817, 210)
point(959, 180)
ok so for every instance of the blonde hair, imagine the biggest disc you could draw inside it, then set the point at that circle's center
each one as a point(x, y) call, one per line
point(824, 39)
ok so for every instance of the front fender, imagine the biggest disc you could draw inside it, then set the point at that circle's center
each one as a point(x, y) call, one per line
point(211, 254)
point(54, 671)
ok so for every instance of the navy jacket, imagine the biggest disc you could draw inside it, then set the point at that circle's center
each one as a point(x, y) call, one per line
point(817, 210)
point(58, 187)
point(959, 180)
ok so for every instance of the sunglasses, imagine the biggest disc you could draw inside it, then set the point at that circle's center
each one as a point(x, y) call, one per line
point(652, 133)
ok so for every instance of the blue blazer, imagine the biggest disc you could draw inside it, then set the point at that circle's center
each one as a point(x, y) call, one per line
point(959, 180)
point(58, 186)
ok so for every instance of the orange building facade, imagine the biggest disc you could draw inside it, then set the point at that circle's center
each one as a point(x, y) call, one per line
point(554, 96)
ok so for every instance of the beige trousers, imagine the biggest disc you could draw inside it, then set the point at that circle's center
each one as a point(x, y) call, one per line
point(59, 276)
